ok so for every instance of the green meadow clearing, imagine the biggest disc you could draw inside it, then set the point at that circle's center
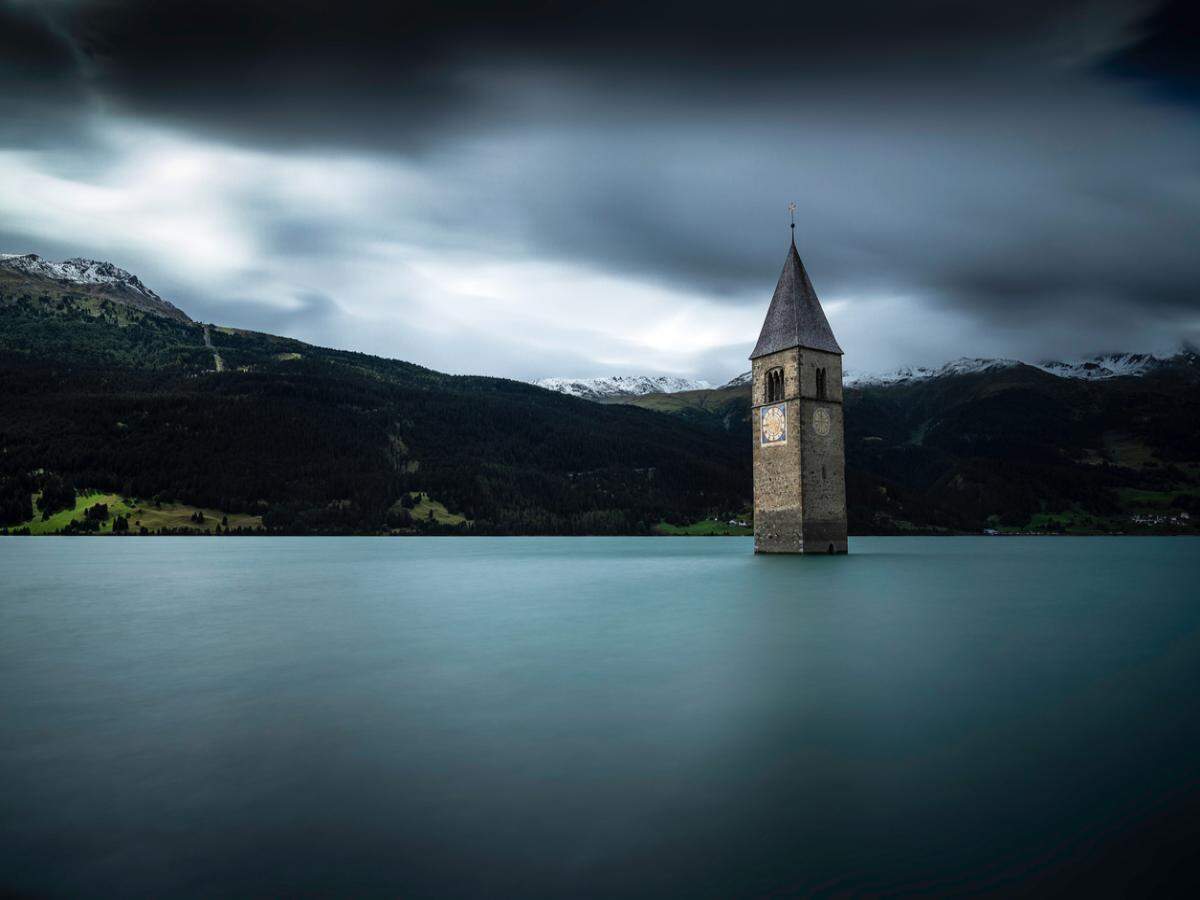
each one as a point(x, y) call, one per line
point(426, 509)
point(152, 517)
point(704, 527)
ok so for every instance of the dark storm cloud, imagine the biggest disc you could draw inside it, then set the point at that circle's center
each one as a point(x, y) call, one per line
point(1165, 55)
point(398, 75)
point(978, 198)
point(42, 91)
point(1011, 162)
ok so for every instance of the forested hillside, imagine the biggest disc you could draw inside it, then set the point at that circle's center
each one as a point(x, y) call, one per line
point(98, 395)
point(1012, 448)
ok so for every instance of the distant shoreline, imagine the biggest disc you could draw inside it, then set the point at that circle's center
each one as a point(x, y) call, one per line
point(479, 535)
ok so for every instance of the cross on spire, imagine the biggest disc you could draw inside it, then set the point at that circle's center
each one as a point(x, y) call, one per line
point(792, 213)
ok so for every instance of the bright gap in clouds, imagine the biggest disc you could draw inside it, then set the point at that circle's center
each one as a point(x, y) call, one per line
point(591, 322)
point(195, 220)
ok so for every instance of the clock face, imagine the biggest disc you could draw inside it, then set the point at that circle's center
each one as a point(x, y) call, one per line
point(821, 420)
point(774, 424)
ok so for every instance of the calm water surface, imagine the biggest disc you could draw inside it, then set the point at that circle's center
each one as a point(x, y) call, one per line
point(597, 717)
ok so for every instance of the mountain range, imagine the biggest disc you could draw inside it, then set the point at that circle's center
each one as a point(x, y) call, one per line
point(608, 387)
point(109, 390)
point(1092, 368)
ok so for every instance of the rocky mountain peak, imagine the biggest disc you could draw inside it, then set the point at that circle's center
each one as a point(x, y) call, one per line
point(93, 276)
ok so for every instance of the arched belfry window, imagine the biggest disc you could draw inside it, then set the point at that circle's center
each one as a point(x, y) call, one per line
point(821, 385)
point(774, 385)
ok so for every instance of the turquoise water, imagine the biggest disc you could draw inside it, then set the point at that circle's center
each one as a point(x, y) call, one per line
point(596, 717)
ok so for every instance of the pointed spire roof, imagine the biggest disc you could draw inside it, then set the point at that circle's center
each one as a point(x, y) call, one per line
point(795, 317)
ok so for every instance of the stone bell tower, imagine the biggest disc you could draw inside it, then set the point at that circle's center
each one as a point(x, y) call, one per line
point(796, 414)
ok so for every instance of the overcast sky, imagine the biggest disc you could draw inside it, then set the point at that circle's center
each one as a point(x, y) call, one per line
point(581, 189)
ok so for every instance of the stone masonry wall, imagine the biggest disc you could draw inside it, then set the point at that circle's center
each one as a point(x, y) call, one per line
point(778, 514)
point(824, 470)
point(800, 486)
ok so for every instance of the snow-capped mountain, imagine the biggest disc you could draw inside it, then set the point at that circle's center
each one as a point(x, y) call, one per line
point(961, 366)
point(109, 279)
point(1093, 368)
point(738, 380)
point(1106, 365)
point(621, 386)
point(76, 270)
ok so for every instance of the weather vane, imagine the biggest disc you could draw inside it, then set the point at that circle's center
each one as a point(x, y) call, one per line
point(792, 213)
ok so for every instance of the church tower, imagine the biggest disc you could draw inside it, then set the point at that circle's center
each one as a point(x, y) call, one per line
point(796, 413)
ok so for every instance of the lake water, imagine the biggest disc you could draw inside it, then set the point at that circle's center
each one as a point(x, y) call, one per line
point(571, 717)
